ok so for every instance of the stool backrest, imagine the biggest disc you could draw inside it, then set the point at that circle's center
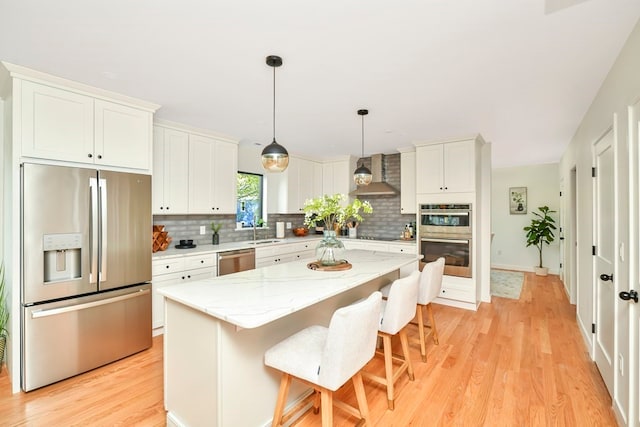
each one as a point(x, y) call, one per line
point(351, 341)
point(431, 281)
point(400, 306)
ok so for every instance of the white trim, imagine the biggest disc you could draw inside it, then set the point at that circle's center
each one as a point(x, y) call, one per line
point(19, 72)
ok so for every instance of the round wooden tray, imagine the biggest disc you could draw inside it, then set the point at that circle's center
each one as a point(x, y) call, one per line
point(344, 265)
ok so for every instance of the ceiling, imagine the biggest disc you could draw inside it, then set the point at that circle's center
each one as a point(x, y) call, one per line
point(521, 73)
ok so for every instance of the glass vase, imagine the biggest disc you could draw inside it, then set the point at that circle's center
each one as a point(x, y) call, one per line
point(215, 239)
point(330, 250)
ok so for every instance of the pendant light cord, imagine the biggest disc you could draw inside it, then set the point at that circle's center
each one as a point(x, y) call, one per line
point(274, 104)
point(362, 135)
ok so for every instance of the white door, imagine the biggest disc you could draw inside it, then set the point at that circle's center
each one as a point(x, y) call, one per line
point(634, 325)
point(604, 240)
point(561, 234)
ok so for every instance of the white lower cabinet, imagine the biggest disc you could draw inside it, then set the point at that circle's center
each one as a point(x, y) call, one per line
point(369, 245)
point(176, 270)
point(457, 289)
point(281, 253)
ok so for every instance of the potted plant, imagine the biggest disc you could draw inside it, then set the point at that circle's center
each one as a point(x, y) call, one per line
point(215, 239)
point(539, 233)
point(330, 211)
point(4, 316)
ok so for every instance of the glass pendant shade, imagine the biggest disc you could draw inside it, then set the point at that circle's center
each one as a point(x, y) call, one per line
point(362, 175)
point(275, 157)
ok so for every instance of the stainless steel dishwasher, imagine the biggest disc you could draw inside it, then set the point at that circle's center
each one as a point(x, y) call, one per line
point(236, 260)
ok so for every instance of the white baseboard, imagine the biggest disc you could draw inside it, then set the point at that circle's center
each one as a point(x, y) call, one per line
point(520, 268)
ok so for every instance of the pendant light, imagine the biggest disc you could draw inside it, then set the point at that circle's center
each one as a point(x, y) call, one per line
point(362, 175)
point(275, 157)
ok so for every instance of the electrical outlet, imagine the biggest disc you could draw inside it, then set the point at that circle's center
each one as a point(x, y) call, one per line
point(288, 226)
point(203, 229)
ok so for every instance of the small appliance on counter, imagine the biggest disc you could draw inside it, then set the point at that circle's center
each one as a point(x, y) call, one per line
point(186, 244)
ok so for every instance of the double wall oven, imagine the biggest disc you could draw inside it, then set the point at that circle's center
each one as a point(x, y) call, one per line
point(445, 231)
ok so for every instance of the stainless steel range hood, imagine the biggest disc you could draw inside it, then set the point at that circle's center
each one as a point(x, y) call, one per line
point(378, 186)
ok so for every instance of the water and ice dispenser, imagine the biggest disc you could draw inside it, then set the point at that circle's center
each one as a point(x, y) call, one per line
point(62, 256)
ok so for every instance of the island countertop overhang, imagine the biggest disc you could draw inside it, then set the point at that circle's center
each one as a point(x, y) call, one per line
point(253, 298)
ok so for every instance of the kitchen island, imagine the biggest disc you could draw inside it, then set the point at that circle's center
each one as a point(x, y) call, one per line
point(217, 330)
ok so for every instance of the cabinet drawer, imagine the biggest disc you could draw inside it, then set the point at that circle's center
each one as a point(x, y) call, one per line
point(303, 246)
point(200, 261)
point(453, 292)
point(403, 249)
point(198, 274)
point(167, 266)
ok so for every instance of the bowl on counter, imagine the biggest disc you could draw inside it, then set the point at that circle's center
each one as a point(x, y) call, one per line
point(300, 231)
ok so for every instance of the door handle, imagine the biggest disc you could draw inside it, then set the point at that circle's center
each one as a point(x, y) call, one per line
point(629, 295)
point(606, 277)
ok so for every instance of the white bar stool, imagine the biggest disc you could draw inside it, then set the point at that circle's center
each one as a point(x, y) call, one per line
point(430, 284)
point(397, 311)
point(325, 358)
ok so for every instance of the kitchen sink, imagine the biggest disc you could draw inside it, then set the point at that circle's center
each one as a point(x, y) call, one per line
point(262, 242)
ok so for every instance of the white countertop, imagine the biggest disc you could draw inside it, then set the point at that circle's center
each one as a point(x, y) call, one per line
point(200, 249)
point(253, 298)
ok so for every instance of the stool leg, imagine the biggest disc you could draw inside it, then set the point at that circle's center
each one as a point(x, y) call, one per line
point(316, 402)
point(285, 382)
point(433, 324)
point(388, 368)
point(326, 406)
point(361, 398)
point(405, 350)
point(423, 347)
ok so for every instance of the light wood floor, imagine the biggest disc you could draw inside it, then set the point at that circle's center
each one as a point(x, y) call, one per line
point(511, 363)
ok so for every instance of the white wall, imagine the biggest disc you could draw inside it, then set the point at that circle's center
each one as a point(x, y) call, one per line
point(508, 248)
point(620, 89)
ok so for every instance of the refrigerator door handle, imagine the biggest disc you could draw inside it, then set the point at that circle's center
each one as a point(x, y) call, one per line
point(93, 231)
point(103, 229)
point(52, 312)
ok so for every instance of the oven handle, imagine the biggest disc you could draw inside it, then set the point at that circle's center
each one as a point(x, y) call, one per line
point(448, 213)
point(445, 240)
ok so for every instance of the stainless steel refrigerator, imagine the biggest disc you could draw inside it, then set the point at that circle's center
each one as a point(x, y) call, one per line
point(86, 270)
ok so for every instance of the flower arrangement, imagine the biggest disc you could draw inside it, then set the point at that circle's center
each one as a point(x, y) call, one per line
point(330, 211)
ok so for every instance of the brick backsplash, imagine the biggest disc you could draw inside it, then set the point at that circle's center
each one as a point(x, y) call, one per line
point(386, 221)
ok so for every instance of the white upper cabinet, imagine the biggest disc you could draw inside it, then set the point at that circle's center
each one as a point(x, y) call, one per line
point(56, 124)
point(287, 191)
point(446, 167)
point(212, 175)
point(193, 172)
point(122, 136)
point(59, 124)
point(408, 182)
point(170, 181)
point(337, 176)
point(310, 181)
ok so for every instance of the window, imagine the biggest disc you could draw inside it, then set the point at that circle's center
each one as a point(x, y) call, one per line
point(249, 204)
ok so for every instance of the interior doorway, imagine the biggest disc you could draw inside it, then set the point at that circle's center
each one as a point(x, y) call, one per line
point(604, 259)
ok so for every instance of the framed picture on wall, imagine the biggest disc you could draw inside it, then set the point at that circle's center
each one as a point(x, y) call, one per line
point(518, 200)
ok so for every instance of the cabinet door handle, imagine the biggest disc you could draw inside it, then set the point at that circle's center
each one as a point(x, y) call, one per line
point(90, 155)
point(99, 156)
